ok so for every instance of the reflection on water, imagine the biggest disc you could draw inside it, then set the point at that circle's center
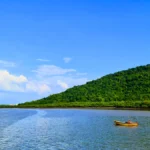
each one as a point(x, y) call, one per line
point(72, 129)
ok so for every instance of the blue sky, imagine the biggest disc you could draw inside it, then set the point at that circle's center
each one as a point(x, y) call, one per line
point(51, 45)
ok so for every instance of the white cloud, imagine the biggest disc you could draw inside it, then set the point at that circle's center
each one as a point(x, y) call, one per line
point(6, 76)
point(7, 63)
point(13, 83)
point(35, 86)
point(44, 60)
point(9, 82)
point(62, 84)
point(67, 59)
point(49, 70)
point(66, 82)
point(59, 78)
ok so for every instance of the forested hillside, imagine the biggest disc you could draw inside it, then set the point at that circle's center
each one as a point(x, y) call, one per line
point(132, 85)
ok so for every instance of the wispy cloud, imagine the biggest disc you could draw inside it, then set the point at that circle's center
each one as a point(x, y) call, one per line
point(49, 70)
point(7, 63)
point(62, 84)
point(44, 60)
point(67, 59)
point(59, 78)
point(37, 86)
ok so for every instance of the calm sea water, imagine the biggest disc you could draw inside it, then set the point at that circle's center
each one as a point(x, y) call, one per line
point(72, 129)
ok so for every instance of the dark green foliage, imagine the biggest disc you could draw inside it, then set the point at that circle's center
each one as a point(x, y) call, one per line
point(124, 88)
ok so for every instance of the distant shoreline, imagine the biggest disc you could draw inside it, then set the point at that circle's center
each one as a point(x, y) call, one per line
point(99, 108)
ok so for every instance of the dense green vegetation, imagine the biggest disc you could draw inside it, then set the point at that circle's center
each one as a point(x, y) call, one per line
point(8, 106)
point(128, 88)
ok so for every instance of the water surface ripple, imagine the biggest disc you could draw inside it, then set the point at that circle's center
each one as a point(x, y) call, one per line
point(72, 129)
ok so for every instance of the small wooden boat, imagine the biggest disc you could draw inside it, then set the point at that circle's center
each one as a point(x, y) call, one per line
point(119, 123)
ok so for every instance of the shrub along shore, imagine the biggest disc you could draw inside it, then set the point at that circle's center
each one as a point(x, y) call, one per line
point(102, 105)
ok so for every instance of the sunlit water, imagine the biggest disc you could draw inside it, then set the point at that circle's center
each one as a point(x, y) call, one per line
point(72, 129)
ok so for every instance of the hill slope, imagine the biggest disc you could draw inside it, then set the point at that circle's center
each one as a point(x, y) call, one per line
point(129, 85)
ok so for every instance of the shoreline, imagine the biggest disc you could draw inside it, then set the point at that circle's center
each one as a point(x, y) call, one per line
point(98, 108)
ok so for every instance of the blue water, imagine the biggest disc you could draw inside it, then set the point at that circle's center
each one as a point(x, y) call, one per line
point(72, 129)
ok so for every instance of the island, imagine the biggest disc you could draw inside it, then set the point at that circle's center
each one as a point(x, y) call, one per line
point(124, 89)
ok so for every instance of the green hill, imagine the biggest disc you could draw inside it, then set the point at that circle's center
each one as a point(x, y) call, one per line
point(128, 88)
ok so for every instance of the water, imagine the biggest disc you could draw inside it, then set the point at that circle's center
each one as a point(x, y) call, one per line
point(72, 129)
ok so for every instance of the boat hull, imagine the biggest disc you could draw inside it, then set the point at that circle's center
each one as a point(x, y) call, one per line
point(119, 123)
